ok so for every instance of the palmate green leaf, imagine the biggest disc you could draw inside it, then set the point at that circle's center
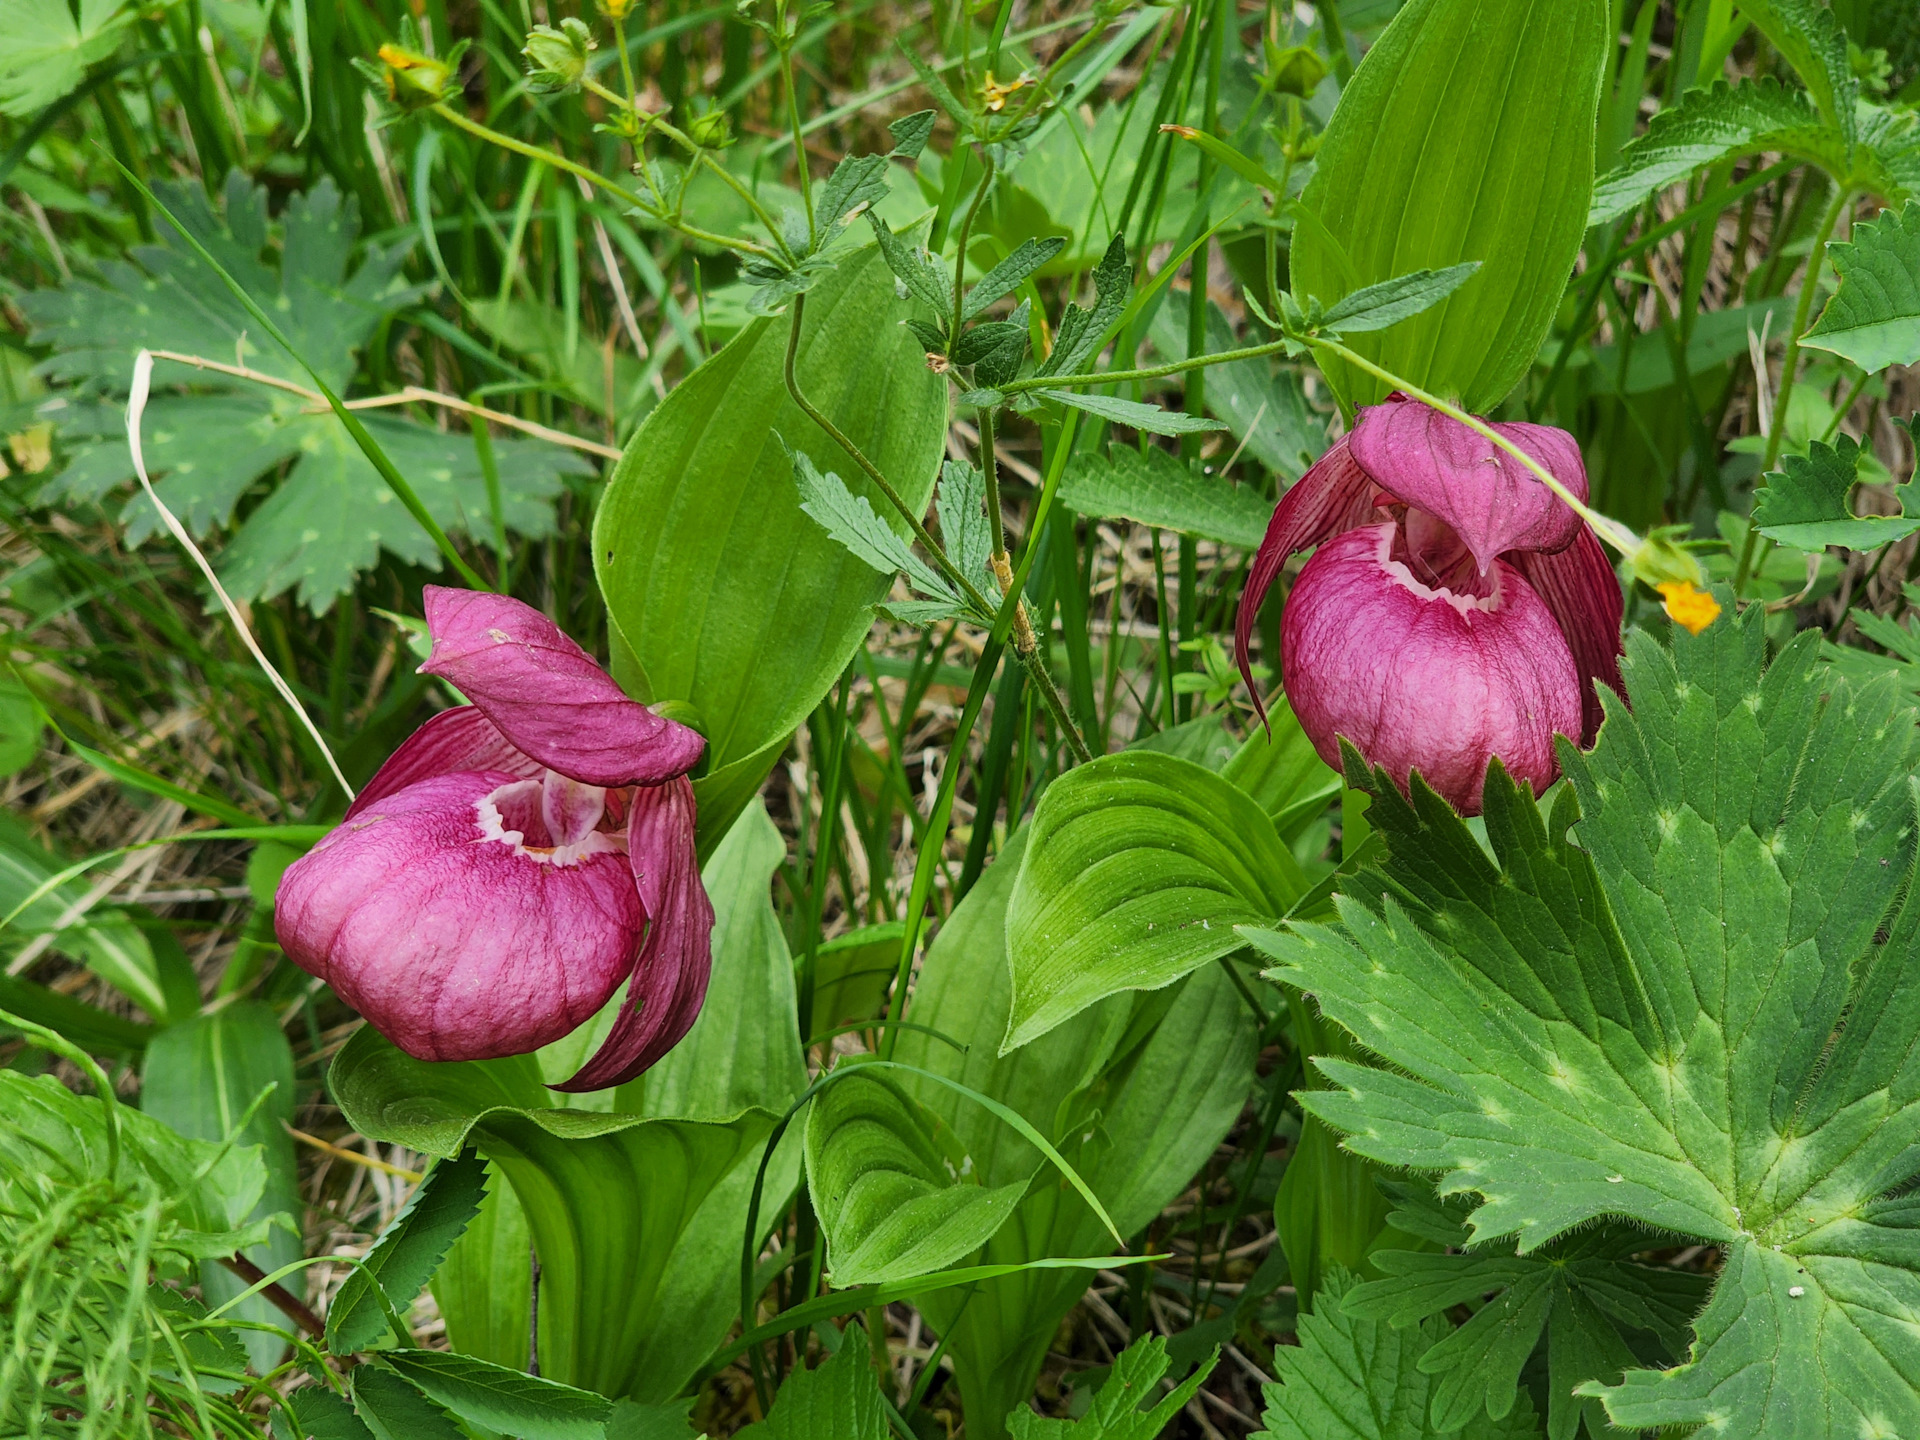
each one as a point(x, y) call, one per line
point(1430, 161)
point(333, 516)
point(1356, 1379)
point(837, 1400)
point(720, 591)
point(1139, 868)
point(1804, 503)
point(1722, 122)
point(200, 1077)
point(506, 1401)
point(893, 1205)
point(1154, 487)
point(1116, 1413)
point(1873, 319)
point(48, 51)
point(1650, 1026)
point(407, 1253)
point(1137, 1091)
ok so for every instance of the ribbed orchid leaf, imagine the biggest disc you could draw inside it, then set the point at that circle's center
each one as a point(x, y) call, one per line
point(1356, 1379)
point(1701, 1016)
point(1874, 317)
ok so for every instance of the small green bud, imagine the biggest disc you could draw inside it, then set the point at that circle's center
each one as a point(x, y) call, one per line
point(1297, 70)
point(710, 130)
point(412, 79)
point(557, 57)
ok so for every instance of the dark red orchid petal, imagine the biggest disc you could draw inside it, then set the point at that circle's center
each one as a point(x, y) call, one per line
point(669, 981)
point(452, 741)
point(1495, 503)
point(547, 695)
point(1333, 496)
point(1580, 588)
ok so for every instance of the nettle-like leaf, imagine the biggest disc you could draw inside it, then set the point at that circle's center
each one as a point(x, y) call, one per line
point(1804, 503)
point(1599, 1312)
point(1709, 126)
point(1873, 319)
point(1081, 332)
point(1811, 38)
point(964, 529)
point(332, 516)
point(836, 1400)
point(1116, 1413)
point(1358, 1379)
point(1699, 1013)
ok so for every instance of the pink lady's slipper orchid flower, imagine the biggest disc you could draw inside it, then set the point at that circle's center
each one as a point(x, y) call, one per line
point(514, 861)
point(1456, 608)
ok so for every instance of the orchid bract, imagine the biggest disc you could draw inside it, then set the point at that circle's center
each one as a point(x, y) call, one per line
point(1106, 720)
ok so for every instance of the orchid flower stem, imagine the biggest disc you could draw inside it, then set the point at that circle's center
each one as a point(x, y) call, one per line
point(1789, 364)
point(1607, 528)
point(593, 177)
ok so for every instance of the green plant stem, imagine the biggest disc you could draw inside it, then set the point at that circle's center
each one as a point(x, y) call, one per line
point(966, 233)
point(1334, 34)
point(593, 177)
point(801, 173)
point(1789, 364)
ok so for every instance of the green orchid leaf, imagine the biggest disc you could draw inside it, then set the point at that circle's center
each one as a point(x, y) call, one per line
point(1357, 1379)
point(722, 593)
point(1154, 419)
point(892, 1203)
point(1804, 503)
point(333, 516)
point(849, 519)
point(1700, 1020)
point(1136, 1091)
point(837, 1400)
point(507, 1401)
point(1873, 319)
point(1116, 1412)
point(1139, 868)
point(1710, 126)
point(1154, 487)
point(200, 1077)
point(1429, 163)
point(407, 1253)
point(851, 975)
point(1278, 767)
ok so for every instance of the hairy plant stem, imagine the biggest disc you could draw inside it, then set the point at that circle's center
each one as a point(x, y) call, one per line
point(594, 177)
point(1789, 365)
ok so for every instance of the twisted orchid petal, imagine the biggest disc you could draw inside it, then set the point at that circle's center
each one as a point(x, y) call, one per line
point(457, 943)
point(1493, 501)
point(1426, 679)
point(1583, 595)
point(547, 696)
point(1333, 496)
point(670, 978)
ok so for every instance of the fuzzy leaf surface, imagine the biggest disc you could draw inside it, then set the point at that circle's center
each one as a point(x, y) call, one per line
point(836, 1400)
point(1116, 1412)
point(1648, 1024)
point(1874, 317)
point(1805, 504)
point(1154, 487)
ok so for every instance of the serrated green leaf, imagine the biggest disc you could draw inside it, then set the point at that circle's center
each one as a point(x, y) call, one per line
point(1431, 160)
point(910, 133)
point(1810, 35)
point(1376, 307)
point(1355, 1379)
point(1153, 487)
point(322, 1415)
point(507, 1401)
point(48, 50)
point(1265, 408)
point(849, 518)
point(1804, 503)
point(1152, 418)
point(394, 1410)
point(1138, 870)
point(892, 1204)
point(1873, 319)
point(858, 180)
point(1650, 1026)
point(1712, 125)
point(1012, 272)
point(1081, 332)
point(964, 529)
point(1116, 1412)
point(837, 1400)
point(407, 1253)
point(924, 275)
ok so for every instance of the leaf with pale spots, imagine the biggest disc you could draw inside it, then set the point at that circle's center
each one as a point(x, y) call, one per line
point(1689, 999)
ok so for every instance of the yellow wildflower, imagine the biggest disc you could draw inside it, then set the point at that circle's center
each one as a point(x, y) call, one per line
point(1688, 605)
